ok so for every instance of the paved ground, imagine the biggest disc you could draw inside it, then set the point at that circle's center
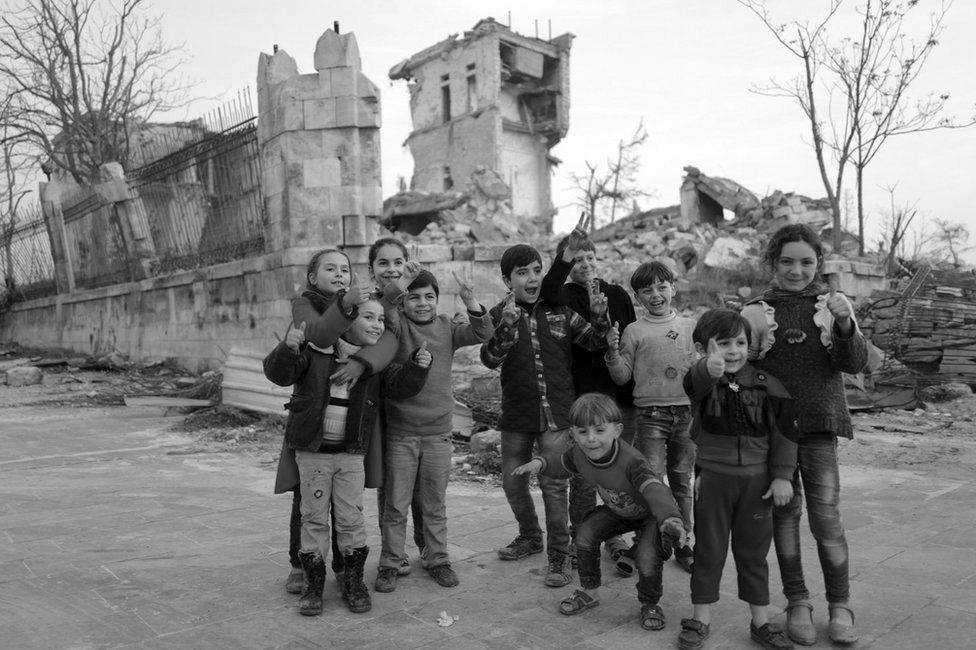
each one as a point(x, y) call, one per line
point(116, 532)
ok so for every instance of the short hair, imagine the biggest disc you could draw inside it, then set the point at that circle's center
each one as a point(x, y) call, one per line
point(425, 279)
point(586, 245)
point(795, 232)
point(591, 409)
point(313, 264)
point(518, 255)
point(383, 241)
point(720, 324)
point(650, 272)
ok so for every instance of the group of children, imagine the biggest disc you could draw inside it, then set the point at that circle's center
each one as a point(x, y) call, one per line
point(740, 411)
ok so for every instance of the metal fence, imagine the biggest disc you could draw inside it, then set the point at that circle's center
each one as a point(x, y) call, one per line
point(28, 267)
point(204, 201)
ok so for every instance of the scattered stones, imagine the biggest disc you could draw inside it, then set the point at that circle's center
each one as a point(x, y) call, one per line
point(484, 440)
point(946, 392)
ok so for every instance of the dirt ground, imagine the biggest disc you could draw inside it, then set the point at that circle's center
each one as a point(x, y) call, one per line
point(942, 433)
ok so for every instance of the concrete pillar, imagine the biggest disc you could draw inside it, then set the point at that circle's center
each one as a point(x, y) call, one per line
point(50, 194)
point(320, 148)
point(131, 217)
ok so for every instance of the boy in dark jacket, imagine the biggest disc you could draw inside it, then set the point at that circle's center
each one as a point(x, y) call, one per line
point(533, 343)
point(330, 426)
point(744, 426)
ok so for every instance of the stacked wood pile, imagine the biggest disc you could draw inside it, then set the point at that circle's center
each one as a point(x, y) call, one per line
point(932, 332)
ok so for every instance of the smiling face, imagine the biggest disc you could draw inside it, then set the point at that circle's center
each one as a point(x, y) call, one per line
point(420, 304)
point(734, 349)
point(596, 440)
point(525, 282)
point(656, 297)
point(388, 265)
point(368, 325)
point(796, 266)
point(332, 273)
point(584, 269)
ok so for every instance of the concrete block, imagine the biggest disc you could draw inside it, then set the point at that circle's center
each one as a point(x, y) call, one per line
point(24, 376)
point(288, 116)
point(321, 172)
point(354, 230)
point(367, 114)
point(273, 179)
point(429, 253)
point(320, 113)
point(489, 252)
point(345, 81)
point(346, 111)
point(367, 89)
point(335, 50)
point(372, 200)
point(302, 87)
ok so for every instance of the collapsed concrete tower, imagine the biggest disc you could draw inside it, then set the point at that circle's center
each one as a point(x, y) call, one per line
point(493, 99)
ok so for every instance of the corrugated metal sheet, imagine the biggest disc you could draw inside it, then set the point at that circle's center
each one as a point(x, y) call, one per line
point(245, 386)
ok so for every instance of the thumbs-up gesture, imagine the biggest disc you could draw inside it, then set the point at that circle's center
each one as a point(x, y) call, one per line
point(511, 312)
point(295, 336)
point(598, 299)
point(613, 339)
point(466, 289)
point(840, 308)
point(716, 360)
point(356, 294)
point(422, 356)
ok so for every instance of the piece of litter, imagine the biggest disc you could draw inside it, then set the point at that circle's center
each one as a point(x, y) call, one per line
point(446, 620)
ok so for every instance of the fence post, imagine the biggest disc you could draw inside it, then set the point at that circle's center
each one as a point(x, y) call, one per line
point(320, 147)
point(130, 214)
point(64, 276)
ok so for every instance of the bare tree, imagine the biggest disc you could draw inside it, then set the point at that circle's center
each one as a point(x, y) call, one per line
point(952, 238)
point(616, 183)
point(862, 97)
point(86, 77)
point(13, 183)
point(894, 229)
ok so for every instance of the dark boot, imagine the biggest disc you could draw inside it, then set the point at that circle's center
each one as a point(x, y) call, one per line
point(354, 590)
point(314, 565)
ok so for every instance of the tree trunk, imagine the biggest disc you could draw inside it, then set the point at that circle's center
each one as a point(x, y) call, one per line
point(860, 209)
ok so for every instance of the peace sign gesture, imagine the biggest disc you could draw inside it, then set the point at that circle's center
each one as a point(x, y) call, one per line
point(466, 289)
point(510, 311)
point(598, 299)
point(576, 239)
point(716, 360)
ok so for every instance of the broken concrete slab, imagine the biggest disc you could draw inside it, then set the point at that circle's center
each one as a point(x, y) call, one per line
point(24, 376)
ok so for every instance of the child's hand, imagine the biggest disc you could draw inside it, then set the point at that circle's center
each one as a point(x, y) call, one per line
point(613, 339)
point(781, 490)
point(466, 289)
point(531, 467)
point(696, 487)
point(576, 239)
point(349, 373)
point(598, 299)
point(840, 308)
point(511, 312)
point(716, 361)
point(411, 270)
point(295, 336)
point(422, 356)
point(355, 295)
point(674, 528)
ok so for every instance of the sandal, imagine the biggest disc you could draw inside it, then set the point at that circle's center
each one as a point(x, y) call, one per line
point(842, 633)
point(578, 603)
point(652, 617)
point(801, 633)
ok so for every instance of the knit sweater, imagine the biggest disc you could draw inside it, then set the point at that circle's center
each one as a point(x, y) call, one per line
point(794, 338)
point(626, 483)
point(430, 412)
point(656, 353)
point(590, 373)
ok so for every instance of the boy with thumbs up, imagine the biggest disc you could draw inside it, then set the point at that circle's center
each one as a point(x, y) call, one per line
point(418, 428)
point(745, 430)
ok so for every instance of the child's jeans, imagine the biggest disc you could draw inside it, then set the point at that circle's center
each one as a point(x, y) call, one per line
point(602, 524)
point(517, 449)
point(816, 472)
point(411, 460)
point(336, 481)
point(663, 437)
point(732, 504)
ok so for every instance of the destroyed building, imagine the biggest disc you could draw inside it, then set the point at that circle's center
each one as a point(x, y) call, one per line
point(491, 99)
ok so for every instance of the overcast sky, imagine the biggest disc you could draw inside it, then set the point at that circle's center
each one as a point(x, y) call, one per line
point(686, 68)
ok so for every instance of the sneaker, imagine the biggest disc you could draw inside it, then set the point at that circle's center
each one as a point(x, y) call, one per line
point(444, 575)
point(557, 574)
point(295, 582)
point(624, 564)
point(693, 634)
point(404, 568)
point(520, 547)
point(386, 579)
point(769, 638)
